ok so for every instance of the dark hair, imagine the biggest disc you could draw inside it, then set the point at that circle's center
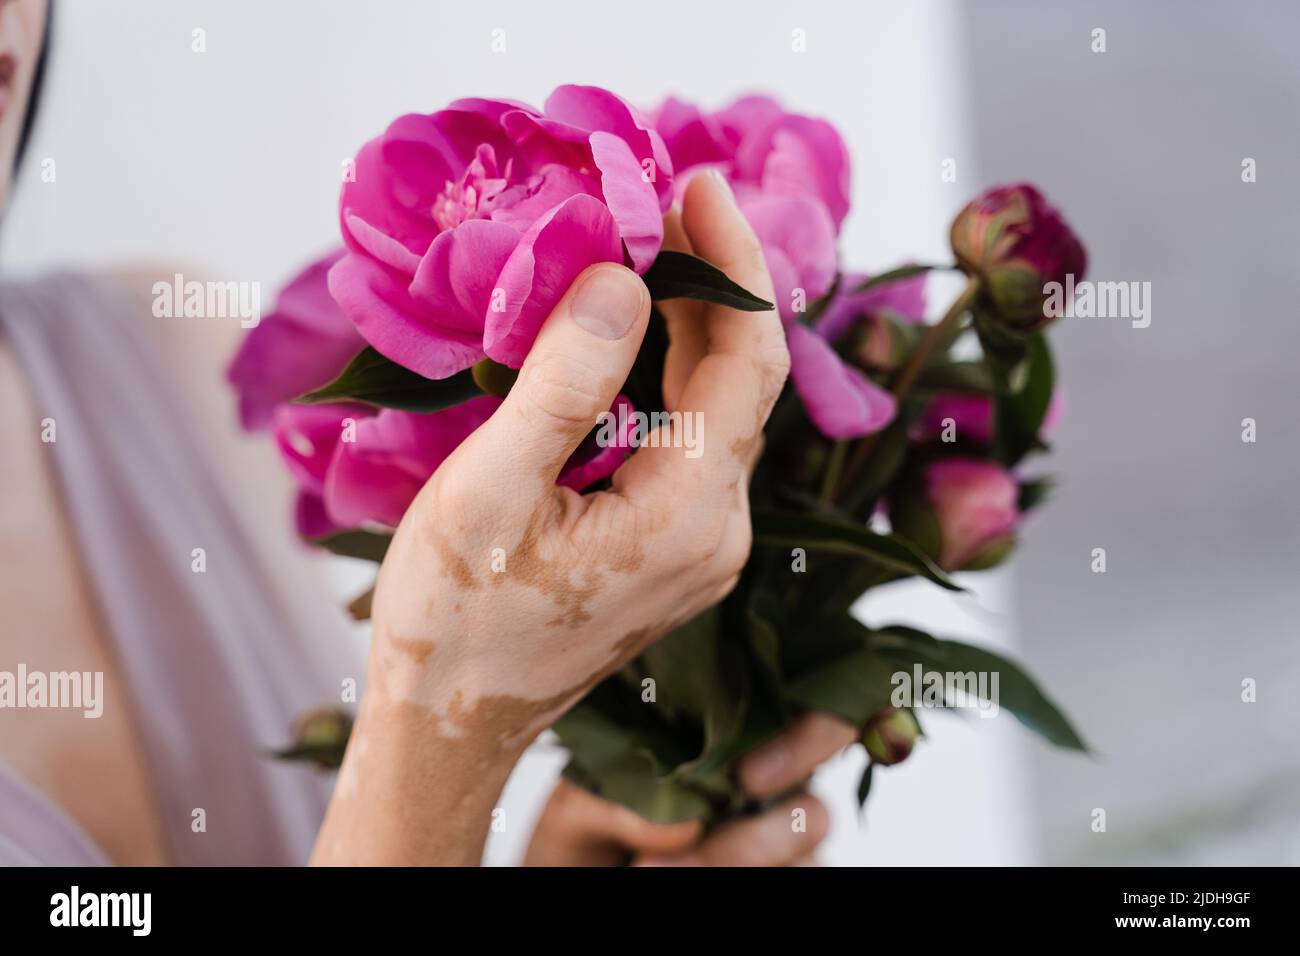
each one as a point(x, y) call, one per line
point(38, 82)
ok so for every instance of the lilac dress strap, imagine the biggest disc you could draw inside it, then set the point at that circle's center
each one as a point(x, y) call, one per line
point(219, 663)
point(34, 832)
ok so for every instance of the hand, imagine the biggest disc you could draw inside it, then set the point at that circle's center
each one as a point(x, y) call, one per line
point(503, 597)
point(580, 829)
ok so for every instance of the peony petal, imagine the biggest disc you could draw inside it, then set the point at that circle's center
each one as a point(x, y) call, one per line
point(306, 436)
point(905, 298)
point(841, 401)
point(280, 360)
point(458, 274)
point(799, 229)
point(377, 477)
point(549, 186)
point(373, 195)
point(594, 109)
point(301, 345)
point(630, 198)
point(798, 155)
point(592, 462)
point(692, 138)
point(574, 235)
point(975, 504)
point(309, 517)
point(493, 109)
point(746, 116)
point(386, 249)
point(542, 142)
point(972, 416)
point(306, 299)
point(376, 299)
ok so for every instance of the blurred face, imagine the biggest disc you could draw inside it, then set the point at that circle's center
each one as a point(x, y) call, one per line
point(22, 26)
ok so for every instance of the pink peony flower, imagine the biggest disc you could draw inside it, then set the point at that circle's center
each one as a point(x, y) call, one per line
point(466, 226)
point(307, 437)
point(974, 503)
point(303, 344)
point(356, 466)
point(973, 417)
point(790, 174)
point(762, 148)
point(1017, 242)
point(904, 298)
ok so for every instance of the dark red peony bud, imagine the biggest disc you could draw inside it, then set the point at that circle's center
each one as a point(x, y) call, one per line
point(320, 737)
point(890, 736)
point(1017, 242)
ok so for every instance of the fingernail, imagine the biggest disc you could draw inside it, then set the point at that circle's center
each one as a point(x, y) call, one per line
point(766, 765)
point(606, 304)
point(721, 180)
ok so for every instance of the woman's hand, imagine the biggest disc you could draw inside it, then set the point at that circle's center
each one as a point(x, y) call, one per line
point(579, 829)
point(503, 597)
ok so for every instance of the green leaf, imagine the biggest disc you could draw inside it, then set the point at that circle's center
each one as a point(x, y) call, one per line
point(629, 756)
point(864, 785)
point(367, 545)
point(677, 275)
point(852, 686)
point(683, 664)
point(632, 782)
point(374, 379)
point(894, 275)
point(1017, 691)
point(325, 756)
point(492, 378)
point(881, 468)
point(972, 377)
point(824, 533)
point(1018, 416)
point(1034, 493)
point(900, 637)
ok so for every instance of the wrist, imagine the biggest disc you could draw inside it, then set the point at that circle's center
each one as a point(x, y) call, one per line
point(422, 773)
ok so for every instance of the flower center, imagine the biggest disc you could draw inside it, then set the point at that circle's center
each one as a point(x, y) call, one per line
point(476, 194)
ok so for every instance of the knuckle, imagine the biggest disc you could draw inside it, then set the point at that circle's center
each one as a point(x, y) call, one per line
point(559, 388)
point(725, 588)
point(699, 538)
point(733, 550)
point(775, 357)
point(747, 253)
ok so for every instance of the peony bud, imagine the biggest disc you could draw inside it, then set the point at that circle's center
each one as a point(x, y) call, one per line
point(1016, 242)
point(965, 518)
point(321, 737)
point(890, 735)
point(972, 418)
point(880, 343)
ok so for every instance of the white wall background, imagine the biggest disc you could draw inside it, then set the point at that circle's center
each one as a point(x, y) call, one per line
point(228, 162)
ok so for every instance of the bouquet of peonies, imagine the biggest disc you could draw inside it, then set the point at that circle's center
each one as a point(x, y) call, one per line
point(896, 451)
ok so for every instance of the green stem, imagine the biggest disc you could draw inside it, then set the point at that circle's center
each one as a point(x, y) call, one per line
point(834, 468)
point(934, 335)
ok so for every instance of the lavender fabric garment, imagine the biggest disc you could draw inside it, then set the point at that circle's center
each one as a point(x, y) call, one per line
point(218, 663)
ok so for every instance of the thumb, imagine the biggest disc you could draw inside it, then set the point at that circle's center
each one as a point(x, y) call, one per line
point(581, 358)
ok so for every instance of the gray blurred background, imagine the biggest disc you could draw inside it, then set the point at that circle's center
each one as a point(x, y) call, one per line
point(1143, 145)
